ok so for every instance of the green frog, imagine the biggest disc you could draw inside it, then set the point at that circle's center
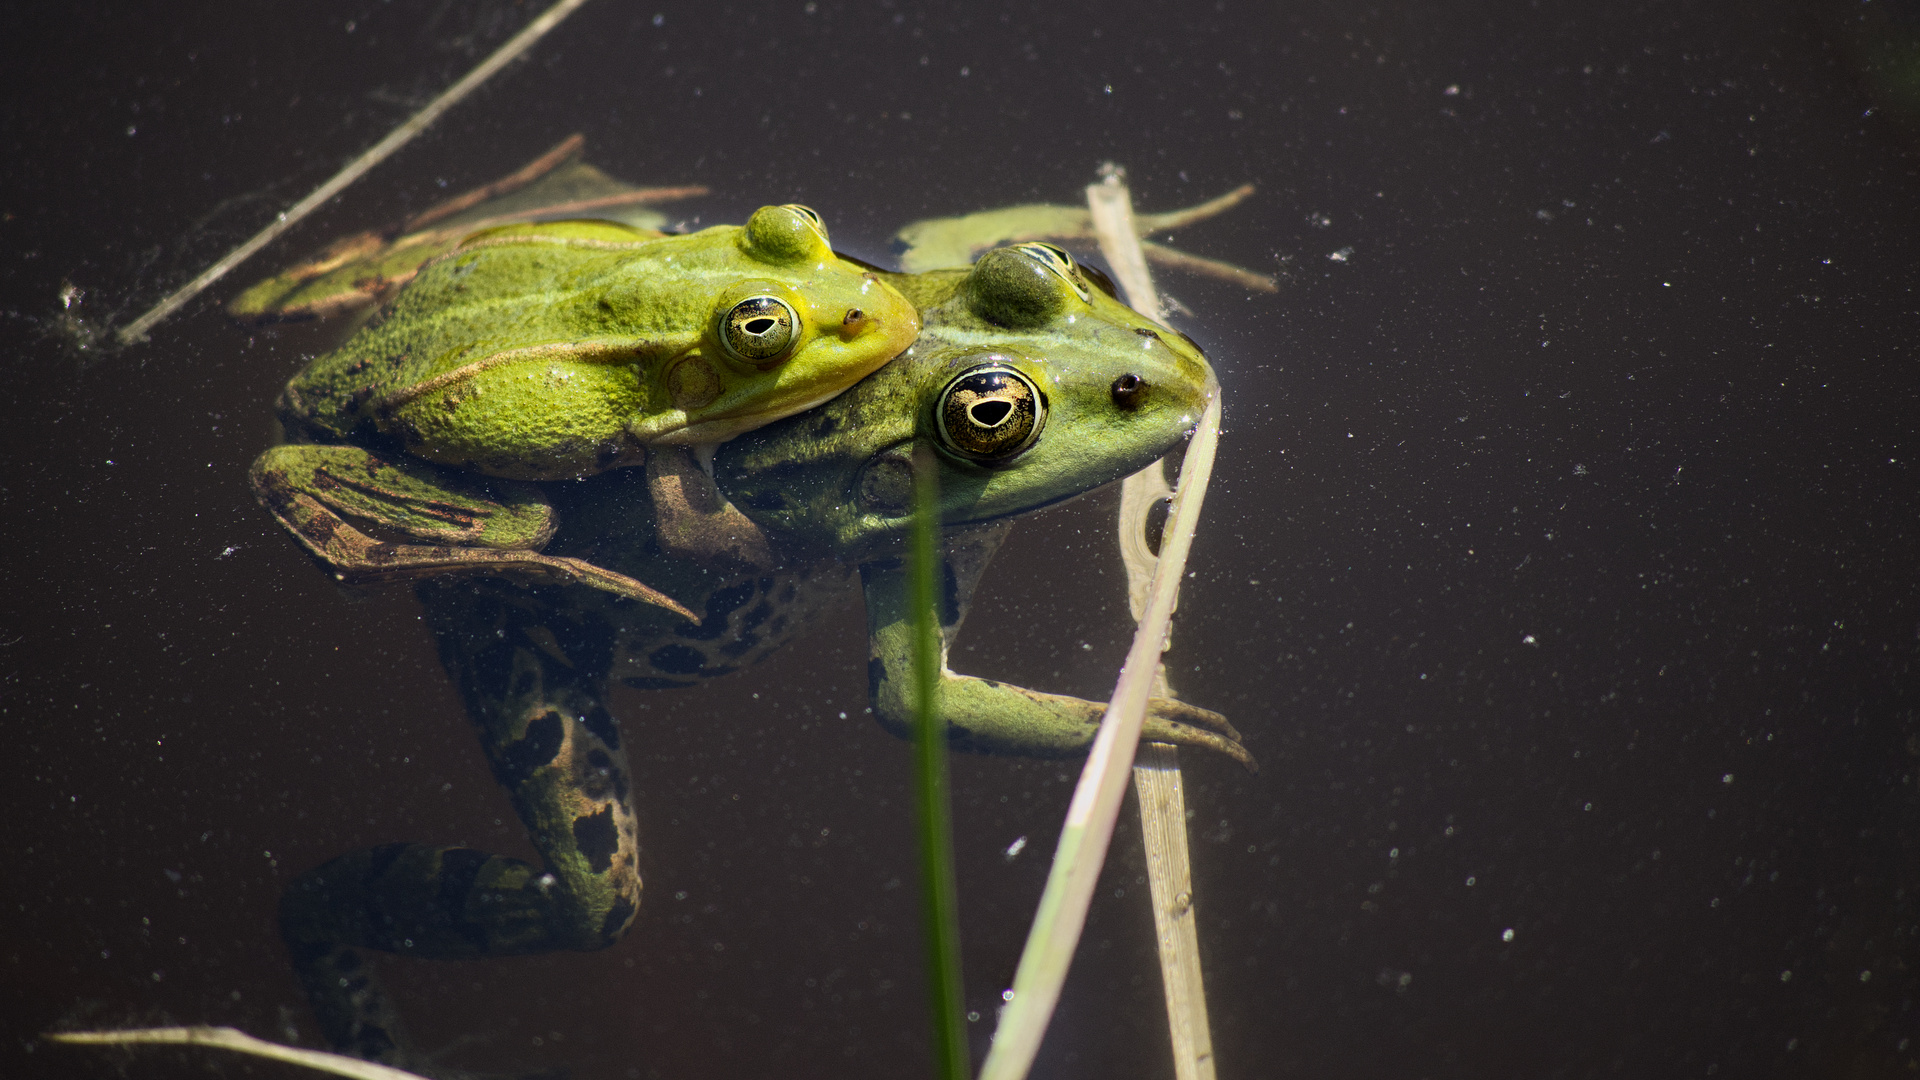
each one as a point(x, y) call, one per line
point(1028, 385)
point(559, 350)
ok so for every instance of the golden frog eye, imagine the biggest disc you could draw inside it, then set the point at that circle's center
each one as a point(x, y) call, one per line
point(1056, 260)
point(759, 329)
point(990, 413)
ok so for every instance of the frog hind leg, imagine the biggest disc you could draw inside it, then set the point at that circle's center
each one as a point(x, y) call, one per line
point(464, 526)
point(532, 686)
point(985, 716)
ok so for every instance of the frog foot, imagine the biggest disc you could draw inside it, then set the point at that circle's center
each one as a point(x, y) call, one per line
point(1172, 721)
point(693, 520)
point(495, 528)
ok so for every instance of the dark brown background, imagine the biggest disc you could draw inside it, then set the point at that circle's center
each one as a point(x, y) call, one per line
point(1563, 539)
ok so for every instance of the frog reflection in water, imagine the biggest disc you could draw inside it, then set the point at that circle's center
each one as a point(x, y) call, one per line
point(556, 351)
point(1030, 386)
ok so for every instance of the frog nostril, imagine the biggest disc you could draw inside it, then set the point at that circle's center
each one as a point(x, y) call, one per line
point(1129, 391)
point(854, 315)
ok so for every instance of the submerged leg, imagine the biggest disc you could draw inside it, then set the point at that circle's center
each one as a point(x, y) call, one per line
point(464, 525)
point(532, 687)
point(994, 717)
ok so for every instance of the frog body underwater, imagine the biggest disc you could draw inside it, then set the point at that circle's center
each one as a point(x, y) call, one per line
point(559, 350)
point(1025, 388)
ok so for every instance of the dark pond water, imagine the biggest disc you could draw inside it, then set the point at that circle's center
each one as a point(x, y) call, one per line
point(1560, 565)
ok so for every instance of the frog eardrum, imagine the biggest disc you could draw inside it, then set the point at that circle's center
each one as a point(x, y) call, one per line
point(990, 413)
point(759, 330)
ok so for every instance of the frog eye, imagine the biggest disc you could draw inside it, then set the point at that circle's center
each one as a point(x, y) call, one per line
point(1022, 287)
point(759, 329)
point(812, 218)
point(1056, 260)
point(990, 413)
point(786, 236)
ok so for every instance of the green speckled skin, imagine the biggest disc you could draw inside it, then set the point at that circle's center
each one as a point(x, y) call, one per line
point(795, 515)
point(559, 350)
point(358, 272)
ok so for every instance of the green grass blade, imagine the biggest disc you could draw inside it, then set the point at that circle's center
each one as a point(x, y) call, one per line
point(940, 903)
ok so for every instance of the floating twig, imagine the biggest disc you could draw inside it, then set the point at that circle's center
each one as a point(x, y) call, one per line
point(226, 1038)
point(1096, 799)
point(137, 329)
point(937, 243)
point(1156, 767)
point(514, 181)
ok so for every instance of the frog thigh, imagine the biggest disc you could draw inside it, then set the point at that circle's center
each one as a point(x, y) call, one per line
point(533, 690)
point(985, 716)
point(469, 528)
point(357, 273)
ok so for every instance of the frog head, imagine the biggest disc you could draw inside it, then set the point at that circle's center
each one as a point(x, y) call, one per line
point(791, 325)
point(1030, 382)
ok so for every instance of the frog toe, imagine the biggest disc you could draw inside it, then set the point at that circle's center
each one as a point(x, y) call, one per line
point(1191, 715)
point(1162, 730)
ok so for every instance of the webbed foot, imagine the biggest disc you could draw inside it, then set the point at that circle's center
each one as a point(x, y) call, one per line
point(987, 716)
point(468, 526)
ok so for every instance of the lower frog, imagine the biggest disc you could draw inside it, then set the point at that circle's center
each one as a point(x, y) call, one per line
point(1029, 385)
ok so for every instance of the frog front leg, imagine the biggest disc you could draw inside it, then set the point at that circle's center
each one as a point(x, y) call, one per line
point(533, 686)
point(463, 524)
point(983, 715)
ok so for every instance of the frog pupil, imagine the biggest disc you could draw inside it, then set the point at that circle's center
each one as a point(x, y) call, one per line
point(991, 413)
point(760, 326)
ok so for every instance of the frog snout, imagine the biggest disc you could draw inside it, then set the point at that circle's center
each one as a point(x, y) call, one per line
point(1161, 385)
point(887, 331)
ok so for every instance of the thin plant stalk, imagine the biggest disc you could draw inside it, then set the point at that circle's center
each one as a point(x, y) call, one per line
point(1156, 768)
point(136, 330)
point(939, 894)
point(1163, 831)
point(1163, 816)
point(1103, 782)
point(226, 1038)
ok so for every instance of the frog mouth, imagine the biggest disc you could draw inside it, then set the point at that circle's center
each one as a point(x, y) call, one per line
point(721, 428)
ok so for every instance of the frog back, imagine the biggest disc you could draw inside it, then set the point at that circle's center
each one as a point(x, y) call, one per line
point(558, 350)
